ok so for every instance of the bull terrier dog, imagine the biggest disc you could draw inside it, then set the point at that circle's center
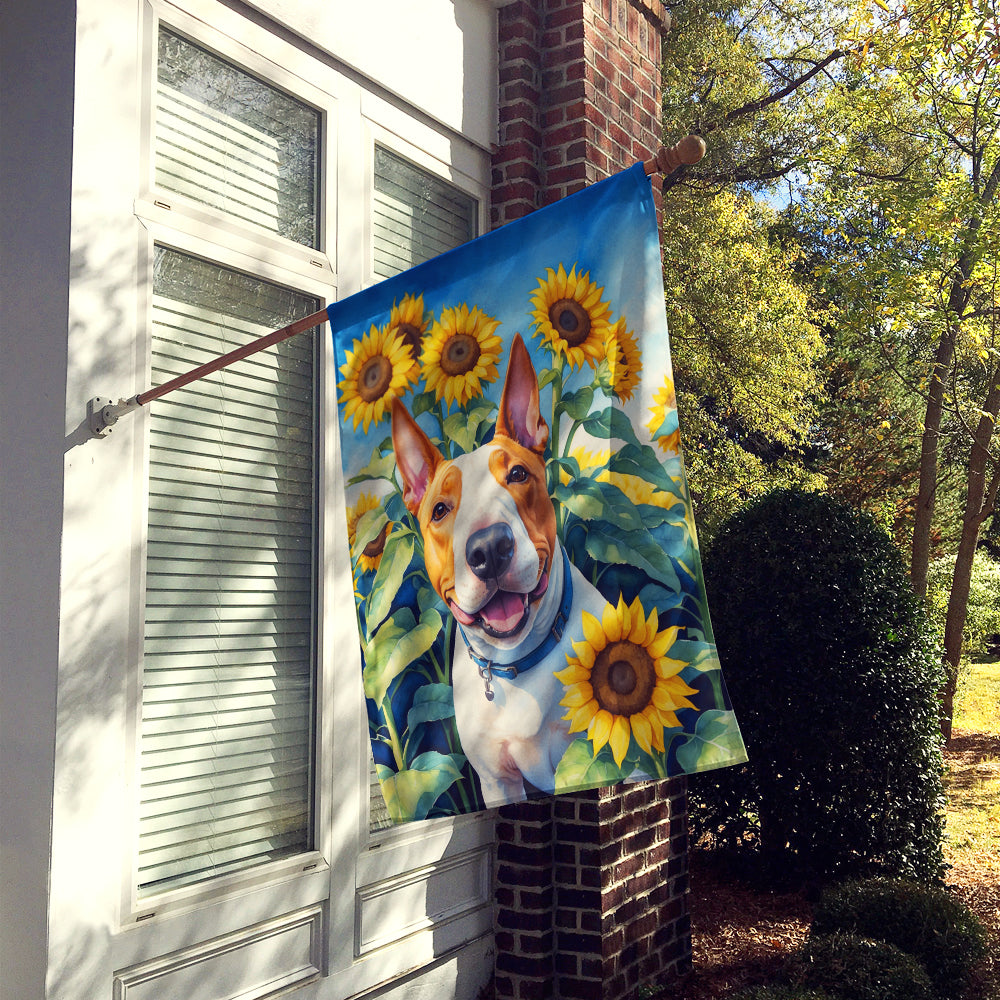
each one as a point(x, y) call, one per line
point(492, 554)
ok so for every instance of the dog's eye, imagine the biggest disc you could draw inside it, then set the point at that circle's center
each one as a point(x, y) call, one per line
point(440, 510)
point(517, 474)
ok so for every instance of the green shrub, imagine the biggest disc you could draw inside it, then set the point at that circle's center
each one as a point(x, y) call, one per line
point(833, 674)
point(782, 993)
point(924, 921)
point(856, 968)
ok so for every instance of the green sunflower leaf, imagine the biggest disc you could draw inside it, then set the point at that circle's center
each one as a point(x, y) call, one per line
point(380, 467)
point(643, 461)
point(423, 402)
point(633, 548)
point(594, 501)
point(547, 376)
point(370, 524)
point(460, 431)
point(411, 794)
point(577, 404)
point(612, 424)
point(715, 742)
point(396, 558)
point(580, 769)
point(398, 643)
point(431, 703)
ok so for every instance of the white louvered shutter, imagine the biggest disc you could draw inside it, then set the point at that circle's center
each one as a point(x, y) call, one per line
point(227, 707)
point(228, 674)
point(416, 216)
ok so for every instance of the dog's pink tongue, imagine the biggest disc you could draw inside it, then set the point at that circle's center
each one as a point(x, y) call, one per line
point(462, 616)
point(503, 611)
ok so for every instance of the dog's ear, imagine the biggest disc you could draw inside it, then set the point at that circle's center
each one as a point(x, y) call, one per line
point(416, 456)
point(520, 414)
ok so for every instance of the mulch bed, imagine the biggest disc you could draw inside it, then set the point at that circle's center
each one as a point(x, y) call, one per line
point(742, 935)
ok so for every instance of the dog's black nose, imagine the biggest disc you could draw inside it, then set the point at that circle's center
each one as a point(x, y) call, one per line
point(490, 550)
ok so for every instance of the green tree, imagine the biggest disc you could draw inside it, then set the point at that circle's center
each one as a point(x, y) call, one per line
point(912, 184)
point(747, 357)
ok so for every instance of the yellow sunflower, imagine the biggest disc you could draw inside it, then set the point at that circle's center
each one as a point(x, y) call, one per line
point(370, 556)
point(621, 682)
point(665, 403)
point(378, 370)
point(624, 360)
point(570, 316)
point(460, 354)
point(408, 322)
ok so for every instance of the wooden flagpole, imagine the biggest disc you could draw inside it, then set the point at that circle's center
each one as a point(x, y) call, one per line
point(102, 413)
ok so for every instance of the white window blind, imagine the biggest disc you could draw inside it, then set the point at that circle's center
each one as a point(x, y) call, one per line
point(228, 140)
point(228, 676)
point(416, 216)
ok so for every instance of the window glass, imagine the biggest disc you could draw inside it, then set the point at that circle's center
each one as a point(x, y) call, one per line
point(228, 657)
point(235, 143)
point(416, 215)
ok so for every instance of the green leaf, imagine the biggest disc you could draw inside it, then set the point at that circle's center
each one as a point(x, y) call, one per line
point(431, 703)
point(579, 768)
point(396, 558)
point(370, 524)
point(594, 501)
point(633, 548)
point(547, 376)
point(423, 402)
point(398, 643)
point(612, 424)
point(716, 742)
point(380, 467)
point(577, 404)
point(411, 794)
point(376, 653)
point(460, 431)
point(643, 461)
point(701, 656)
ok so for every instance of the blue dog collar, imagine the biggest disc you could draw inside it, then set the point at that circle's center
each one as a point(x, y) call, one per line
point(488, 669)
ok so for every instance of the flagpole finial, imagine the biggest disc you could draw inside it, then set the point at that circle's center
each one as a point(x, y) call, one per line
point(668, 158)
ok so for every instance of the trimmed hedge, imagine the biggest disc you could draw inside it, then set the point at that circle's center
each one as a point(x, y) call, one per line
point(833, 673)
point(926, 922)
point(781, 993)
point(856, 968)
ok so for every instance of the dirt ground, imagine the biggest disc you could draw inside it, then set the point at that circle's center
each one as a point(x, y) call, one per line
point(741, 936)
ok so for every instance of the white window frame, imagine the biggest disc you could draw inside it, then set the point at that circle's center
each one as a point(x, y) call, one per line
point(352, 873)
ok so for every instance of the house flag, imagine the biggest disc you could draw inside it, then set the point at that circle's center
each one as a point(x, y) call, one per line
point(530, 602)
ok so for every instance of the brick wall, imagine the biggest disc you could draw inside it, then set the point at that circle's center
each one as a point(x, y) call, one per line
point(579, 96)
point(591, 889)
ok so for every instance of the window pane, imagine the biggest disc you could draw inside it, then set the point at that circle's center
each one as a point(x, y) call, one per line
point(417, 215)
point(228, 140)
point(228, 679)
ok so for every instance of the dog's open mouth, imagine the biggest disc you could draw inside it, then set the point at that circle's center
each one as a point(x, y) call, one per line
point(504, 614)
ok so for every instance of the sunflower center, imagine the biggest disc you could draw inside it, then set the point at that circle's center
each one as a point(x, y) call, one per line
point(410, 335)
point(374, 378)
point(376, 545)
point(623, 678)
point(460, 354)
point(571, 321)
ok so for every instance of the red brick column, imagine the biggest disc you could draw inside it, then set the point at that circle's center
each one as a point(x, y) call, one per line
point(591, 889)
